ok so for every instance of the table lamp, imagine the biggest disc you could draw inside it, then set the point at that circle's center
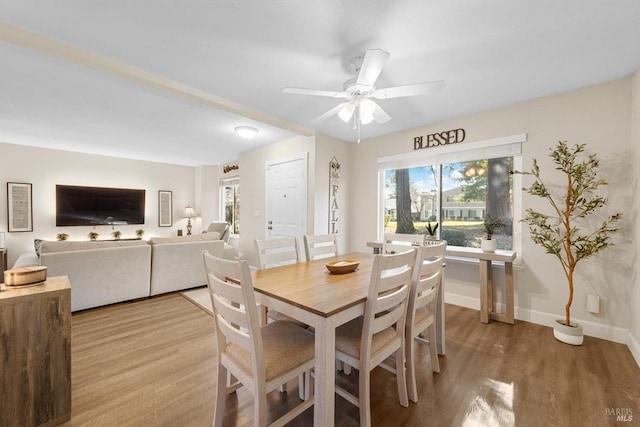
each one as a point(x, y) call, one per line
point(189, 213)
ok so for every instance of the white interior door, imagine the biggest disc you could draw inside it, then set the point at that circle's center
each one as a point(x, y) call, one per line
point(286, 197)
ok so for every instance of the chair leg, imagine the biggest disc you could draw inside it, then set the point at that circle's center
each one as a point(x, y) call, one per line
point(411, 368)
point(401, 376)
point(433, 348)
point(301, 386)
point(346, 368)
point(364, 397)
point(221, 395)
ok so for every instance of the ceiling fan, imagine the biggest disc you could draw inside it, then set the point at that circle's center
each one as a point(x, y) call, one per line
point(359, 90)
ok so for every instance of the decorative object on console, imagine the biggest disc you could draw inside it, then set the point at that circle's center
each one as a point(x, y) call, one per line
point(490, 226)
point(165, 208)
point(25, 276)
point(19, 207)
point(116, 234)
point(189, 213)
point(62, 236)
point(432, 230)
point(1, 239)
point(93, 236)
point(139, 233)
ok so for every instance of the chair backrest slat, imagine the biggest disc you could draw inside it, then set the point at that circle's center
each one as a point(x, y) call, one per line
point(277, 251)
point(320, 246)
point(398, 242)
point(388, 293)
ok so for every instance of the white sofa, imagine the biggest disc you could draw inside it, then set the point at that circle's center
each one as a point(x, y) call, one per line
point(100, 273)
point(108, 272)
point(176, 262)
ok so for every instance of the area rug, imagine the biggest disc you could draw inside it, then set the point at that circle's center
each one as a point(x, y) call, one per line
point(200, 297)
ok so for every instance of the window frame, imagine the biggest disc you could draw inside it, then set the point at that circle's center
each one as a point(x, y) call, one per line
point(225, 182)
point(509, 146)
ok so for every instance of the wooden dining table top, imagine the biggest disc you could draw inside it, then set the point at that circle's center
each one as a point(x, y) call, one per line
point(310, 286)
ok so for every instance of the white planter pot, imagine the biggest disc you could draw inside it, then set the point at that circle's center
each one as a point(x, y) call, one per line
point(488, 245)
point(568, 334)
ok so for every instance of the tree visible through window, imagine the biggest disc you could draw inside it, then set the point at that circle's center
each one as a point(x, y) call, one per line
point(458, 196)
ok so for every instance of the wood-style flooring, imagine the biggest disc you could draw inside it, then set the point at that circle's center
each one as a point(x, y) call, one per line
point(151, 363)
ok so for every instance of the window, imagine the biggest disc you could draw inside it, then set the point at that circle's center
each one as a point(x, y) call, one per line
point(230, 192)
point(456, 190)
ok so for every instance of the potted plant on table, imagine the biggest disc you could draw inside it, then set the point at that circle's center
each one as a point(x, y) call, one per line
point(559, 232)
point(490, 226)
point(116, 234)
point(93, 236)
point(139, 233)
point(62, 237)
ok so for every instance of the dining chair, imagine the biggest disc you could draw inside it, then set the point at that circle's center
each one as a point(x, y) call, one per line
point(320, 246)
point(272, 253)
point(261, 357)
point(427, 276)
point(369, 340)
point(398, 242)
point(277, 251)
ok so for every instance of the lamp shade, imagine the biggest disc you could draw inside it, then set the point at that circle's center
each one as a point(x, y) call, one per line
point(189, 212)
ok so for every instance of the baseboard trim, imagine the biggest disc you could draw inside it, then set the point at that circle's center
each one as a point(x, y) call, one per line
point(634, 346)
point(591, 329)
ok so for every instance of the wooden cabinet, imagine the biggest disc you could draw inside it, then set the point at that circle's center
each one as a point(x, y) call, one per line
point(35, 358)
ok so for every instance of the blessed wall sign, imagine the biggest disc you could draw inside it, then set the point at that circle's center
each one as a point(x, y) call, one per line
point(447, 137)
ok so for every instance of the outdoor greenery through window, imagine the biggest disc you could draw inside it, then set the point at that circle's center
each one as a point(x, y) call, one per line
point(231, 204)
point(456, 196)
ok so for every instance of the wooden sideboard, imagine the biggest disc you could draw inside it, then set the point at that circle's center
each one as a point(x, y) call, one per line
point(35, 331)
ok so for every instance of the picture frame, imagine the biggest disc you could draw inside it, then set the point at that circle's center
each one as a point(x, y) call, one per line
point(19, 207)
point(165, 208)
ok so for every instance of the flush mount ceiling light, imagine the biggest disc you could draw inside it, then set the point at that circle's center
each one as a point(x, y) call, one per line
point(246, 132)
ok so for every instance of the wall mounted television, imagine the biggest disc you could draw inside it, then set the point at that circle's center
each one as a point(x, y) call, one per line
point(76, 205)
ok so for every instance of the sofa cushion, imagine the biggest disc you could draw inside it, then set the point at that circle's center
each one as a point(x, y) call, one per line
point(65, 246)
point(185, 239)
point(220, 227)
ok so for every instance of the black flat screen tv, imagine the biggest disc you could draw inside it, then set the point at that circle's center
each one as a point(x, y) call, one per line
point(77, 205)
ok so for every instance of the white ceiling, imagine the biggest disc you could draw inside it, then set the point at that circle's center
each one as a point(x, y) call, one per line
point(168, 81)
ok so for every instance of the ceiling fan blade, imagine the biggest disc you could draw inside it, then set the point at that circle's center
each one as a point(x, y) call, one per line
point(409, 90)
point(379, 115)
point(374, 60)
point(316, 92)
point(331, 112)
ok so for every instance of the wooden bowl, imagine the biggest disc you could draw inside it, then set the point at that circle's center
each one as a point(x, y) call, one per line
point(342, 266)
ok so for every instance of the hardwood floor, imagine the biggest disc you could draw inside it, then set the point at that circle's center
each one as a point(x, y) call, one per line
point(151, 363)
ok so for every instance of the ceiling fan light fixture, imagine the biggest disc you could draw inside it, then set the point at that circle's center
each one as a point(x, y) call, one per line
point(346, 112)
point(366, 108)
point(246, 132)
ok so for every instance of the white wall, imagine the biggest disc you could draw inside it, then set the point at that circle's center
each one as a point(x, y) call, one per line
point(634, 301)
point(44, 168)
point(207, 195)
point(252, 192)
point(599, 116)
point(327, 148)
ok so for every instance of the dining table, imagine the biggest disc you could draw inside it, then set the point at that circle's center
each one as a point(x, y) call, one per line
point(308, 292)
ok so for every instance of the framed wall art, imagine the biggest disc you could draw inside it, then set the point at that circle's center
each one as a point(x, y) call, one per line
point(165, 209)
point(19, 207)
